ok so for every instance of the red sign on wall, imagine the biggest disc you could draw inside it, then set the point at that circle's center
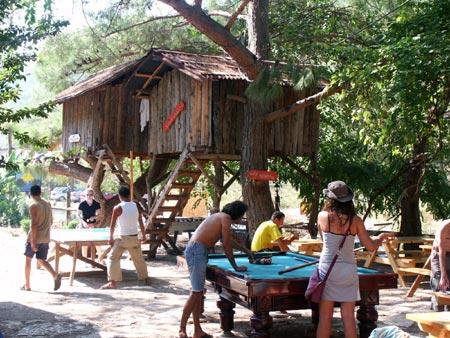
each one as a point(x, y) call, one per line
point(173, 115)
point(262, 175)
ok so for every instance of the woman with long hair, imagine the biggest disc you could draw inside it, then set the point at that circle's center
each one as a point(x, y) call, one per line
point(338, 218)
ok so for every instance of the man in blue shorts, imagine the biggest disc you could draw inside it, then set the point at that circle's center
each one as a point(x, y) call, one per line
point(211, 230)
point(39, 237)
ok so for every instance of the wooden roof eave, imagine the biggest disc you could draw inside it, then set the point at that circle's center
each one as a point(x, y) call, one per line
point(180, 66)
point(143, 61)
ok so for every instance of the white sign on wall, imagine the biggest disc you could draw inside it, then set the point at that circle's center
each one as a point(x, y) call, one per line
point(74, 138)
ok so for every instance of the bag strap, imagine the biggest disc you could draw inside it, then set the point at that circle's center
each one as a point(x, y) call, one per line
point(337, 254)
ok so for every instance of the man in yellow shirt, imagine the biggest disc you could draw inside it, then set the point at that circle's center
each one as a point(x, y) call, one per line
point(269, 234)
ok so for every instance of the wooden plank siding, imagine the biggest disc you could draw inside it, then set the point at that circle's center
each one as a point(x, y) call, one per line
point(294, 135)
point(105, 115)
point(211, 122)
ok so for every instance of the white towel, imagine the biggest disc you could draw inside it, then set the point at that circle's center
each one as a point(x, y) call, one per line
point(144, 110)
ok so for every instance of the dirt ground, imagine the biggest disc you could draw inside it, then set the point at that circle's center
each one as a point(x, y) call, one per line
point(137, 310)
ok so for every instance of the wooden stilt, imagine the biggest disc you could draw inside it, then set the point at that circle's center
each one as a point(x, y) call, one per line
point(131, 176)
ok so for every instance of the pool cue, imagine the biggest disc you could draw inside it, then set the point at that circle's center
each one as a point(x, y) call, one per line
point(297, 267)
point(303, 260)
point(305, 265)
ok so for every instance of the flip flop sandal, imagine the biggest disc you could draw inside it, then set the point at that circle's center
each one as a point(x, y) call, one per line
point(23, 288)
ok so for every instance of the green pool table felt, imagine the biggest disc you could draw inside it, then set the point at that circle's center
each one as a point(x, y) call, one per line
point(279, 262)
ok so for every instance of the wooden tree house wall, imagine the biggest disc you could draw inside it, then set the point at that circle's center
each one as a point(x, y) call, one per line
point(211, 122)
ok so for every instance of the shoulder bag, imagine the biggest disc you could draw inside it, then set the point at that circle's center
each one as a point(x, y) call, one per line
point(316, 285)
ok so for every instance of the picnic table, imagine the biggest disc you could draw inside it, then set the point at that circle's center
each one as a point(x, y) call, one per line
point(308, 246)
point(403, 262)
point(420, 272)
point(442, 298)
point(69, 241)
point(436, 324)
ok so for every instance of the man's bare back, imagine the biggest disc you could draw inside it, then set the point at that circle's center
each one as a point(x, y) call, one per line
point(442, 239)
point(212, 229)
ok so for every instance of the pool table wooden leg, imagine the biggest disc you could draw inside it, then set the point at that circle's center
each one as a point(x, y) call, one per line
point(315, 314)
point(261, 323)
point(367, 315)
point(226, 315)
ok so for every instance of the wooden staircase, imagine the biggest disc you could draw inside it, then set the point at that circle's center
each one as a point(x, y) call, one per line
point(170, 202)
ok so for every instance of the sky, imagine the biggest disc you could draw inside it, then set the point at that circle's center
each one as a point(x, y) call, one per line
point(71, 10)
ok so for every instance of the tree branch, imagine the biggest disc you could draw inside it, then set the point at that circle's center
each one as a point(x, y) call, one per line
point(165, 17)
point(219, 35)
point(383, 188)
point(235, 15)
point(299, 169)
point(155, 18)
point(303, 103)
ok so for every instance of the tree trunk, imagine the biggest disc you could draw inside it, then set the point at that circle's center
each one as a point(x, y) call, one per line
point(254, 152)
point(316, 182)
point(411, 224)
point(219, 180)
point(254, 156)
point(257, 26)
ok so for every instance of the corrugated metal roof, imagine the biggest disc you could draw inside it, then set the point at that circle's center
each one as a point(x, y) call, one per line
point(94, 81)
point(195, 65)
point(204, 66)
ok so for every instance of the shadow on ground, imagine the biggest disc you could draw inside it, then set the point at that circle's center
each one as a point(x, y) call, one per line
point(19, 320)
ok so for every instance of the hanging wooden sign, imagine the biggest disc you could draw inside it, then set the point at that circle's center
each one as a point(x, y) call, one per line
point(173, 116)
point(261, 175)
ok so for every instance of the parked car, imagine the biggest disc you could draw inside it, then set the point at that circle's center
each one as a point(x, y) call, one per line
point(108, 195)
point(59, 193)
point(77, 196)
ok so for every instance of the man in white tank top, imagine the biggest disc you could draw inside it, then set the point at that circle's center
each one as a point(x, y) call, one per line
point(127, 216)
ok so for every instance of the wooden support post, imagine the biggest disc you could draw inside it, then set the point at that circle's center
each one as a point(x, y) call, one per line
point(101, 153)
point(228, 169)
point(122, 173)
point(230, 181)
point(74, 264)
point(67, 207)
point(152, 76)
point(57, 255)
point(131, 175)
point(204, 172)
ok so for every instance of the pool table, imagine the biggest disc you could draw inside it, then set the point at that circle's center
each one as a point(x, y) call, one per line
point(261, 289)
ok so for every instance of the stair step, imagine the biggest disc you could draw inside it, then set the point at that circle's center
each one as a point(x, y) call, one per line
point(171, 209)
point(163, 220)
point(175, 197)
point(189, 173)
point(182, 185)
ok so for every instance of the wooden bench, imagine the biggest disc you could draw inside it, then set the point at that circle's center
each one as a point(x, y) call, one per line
point(442, 298)
point(436, 324)
point(402, 262)
point(421, 273)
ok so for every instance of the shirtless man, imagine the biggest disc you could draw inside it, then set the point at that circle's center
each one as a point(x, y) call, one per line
point(440, 261)
point(212, 229)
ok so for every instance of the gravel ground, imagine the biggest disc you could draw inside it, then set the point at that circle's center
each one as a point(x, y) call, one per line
point(137, 310)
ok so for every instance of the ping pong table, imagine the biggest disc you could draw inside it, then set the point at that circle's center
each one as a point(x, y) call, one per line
point(69, 241)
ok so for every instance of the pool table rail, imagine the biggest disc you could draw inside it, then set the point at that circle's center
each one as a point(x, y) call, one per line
point(265, 295)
